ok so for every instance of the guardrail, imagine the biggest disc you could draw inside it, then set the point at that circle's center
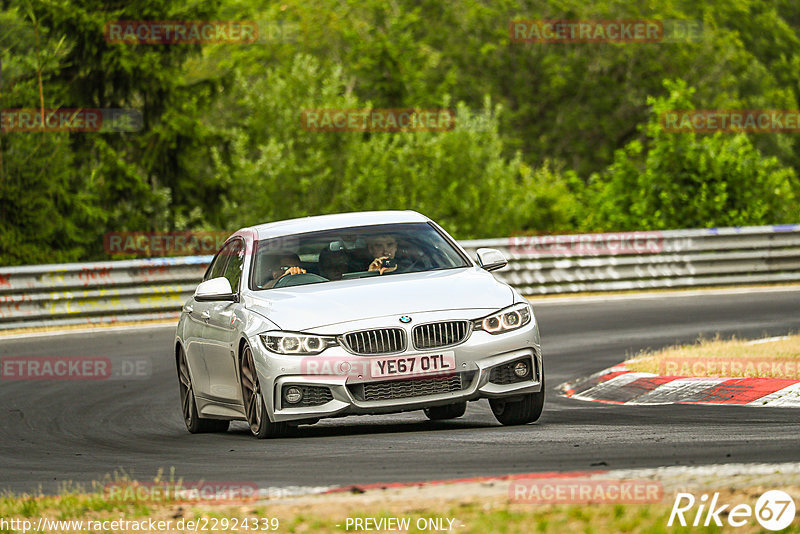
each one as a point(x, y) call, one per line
point(103, 292)
point(136, 290)
point(649, 260)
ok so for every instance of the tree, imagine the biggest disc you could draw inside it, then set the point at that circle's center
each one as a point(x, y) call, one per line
point(689, 180)
point(276, 169)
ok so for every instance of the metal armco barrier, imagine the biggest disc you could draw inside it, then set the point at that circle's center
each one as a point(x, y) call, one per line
point(540, 265)
point(105, 292)
point(134, 290)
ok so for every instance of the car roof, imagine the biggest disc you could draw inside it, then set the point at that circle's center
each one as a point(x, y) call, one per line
point(338, 220)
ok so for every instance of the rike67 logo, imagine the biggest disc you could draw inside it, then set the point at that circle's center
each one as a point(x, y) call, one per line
point(774, 510)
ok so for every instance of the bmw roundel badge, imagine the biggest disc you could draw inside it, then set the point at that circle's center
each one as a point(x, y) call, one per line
point(405, 319)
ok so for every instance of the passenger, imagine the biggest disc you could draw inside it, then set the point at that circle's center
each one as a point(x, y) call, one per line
point(382, 248)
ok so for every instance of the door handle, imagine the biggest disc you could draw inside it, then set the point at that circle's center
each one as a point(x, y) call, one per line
point(205, 315)
point(188, 309)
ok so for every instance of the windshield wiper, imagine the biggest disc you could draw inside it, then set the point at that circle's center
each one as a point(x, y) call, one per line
point(360, 274)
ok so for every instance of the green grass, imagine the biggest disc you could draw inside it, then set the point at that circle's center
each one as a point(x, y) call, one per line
point(501, 518)
point(322, 514)
point(717, 357)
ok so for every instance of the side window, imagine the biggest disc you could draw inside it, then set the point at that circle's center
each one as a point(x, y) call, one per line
point(233, 269)
point(217, 267)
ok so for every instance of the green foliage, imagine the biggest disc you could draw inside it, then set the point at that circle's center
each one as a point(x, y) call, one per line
point(61, 191)
point(687, 180)
point(549, 137)
point(48, 212)
point(275, 169)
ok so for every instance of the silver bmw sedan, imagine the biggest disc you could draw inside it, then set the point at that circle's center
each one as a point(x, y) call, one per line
point(354, 313)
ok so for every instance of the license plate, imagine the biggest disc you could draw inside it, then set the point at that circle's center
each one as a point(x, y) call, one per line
point(419, 364)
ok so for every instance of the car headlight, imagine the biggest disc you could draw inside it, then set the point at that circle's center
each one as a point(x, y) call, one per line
point(505, 320)
point(291, 343)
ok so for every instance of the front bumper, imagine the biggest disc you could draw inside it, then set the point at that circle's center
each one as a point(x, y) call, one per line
point(349, 390)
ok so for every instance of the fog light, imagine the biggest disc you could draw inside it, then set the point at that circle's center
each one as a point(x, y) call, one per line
point(521, 369)
point(293, 395)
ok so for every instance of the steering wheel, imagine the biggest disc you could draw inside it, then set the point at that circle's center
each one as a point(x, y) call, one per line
point(301, 279)
point(408, 264)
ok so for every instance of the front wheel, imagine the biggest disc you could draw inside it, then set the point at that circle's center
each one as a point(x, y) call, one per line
point(254, 407)
point(194, 423)
point(526, 410)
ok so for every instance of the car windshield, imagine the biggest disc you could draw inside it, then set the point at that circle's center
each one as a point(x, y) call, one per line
point(350, 253)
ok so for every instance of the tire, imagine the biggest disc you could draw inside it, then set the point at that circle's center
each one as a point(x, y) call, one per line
point(254, 407)
point(449, 411)
point(520, 412)
point(194, 423)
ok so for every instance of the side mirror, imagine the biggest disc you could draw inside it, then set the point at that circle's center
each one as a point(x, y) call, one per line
point(215, 289)
point(491, 259)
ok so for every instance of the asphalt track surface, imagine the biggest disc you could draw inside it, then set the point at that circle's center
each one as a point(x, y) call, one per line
point(52, 432)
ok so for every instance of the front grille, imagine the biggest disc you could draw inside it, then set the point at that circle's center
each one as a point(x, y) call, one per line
point(433, 335)
point(381, 341)
point(504, 374)
point(312, 396)
point(415, 387)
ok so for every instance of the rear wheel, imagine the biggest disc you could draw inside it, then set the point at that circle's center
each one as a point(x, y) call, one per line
point(526, 410)
point(449, 411)
point(194, 423)
point(254, 407)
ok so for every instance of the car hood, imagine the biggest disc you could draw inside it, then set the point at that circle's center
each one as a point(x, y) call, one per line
point(312, 306)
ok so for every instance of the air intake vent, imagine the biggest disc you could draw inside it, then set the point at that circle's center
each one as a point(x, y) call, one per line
point(404, 389)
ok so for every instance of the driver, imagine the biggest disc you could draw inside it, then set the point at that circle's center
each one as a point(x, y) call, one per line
point(287, 263)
